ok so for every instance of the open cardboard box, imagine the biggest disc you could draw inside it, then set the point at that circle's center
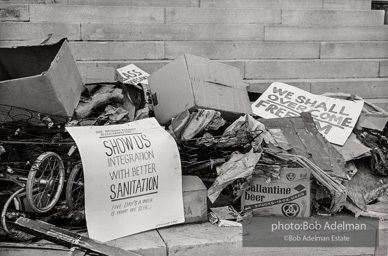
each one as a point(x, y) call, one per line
point(42, 77)
point(191, 82)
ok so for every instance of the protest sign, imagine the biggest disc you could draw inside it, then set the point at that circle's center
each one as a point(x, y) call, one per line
point(133, 180)
point(131, 74)
point(334, 118)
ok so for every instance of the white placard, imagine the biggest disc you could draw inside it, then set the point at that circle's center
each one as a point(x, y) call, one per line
point(133, 179)
point(334, 118)
point(131, 74)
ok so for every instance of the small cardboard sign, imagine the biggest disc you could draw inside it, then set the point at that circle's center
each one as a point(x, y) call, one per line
point(133, 179)
point(131, 74)
point(334, 118)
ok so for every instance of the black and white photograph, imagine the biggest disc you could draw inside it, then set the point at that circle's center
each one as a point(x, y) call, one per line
point(194, 127)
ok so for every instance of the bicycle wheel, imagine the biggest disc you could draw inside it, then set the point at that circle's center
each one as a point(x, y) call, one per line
point(5, 208)
point(75, 195)
point(45, 182)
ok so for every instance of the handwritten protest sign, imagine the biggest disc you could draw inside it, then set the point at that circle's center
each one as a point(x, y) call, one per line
point(334, 118)
point(133, 180)
point(131, 74)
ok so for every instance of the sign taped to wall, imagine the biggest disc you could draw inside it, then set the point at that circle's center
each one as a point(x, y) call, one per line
point(133, 179)
point(334, 118)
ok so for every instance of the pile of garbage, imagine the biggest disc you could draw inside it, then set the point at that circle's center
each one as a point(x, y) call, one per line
point(289, 153)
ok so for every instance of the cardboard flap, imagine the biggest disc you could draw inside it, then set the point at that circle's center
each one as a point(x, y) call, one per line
point(192, 183)
point(213, 72)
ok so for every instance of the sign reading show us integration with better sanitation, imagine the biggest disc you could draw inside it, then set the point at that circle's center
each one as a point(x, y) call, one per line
point(334, 118)
point(133, 180)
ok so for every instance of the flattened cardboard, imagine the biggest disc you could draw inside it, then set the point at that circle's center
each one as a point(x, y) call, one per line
point(305, 140)
point(191, 82)
point(40, 76)
point(194, 199)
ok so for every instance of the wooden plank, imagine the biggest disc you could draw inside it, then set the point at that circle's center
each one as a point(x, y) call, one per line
point(67, 238)
point(167, 32)
point(243, 50)
point(332, 18)
point(354, 50)
point(14, 12)
point(29, 31)
point(223, 16)
point(284, 33)
point(312, 69)
point(96, 14)
point(117, 50)
point(149, 3)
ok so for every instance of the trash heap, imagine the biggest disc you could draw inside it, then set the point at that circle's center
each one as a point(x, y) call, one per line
point(277, 156)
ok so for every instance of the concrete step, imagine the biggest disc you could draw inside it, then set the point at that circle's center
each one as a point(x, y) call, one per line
point(286, 33)
point(104, 70)
point(309, 18)
point(383, 68)
point(290, 4)
point(367, 88)
point(148, 3)
point(144, 3)
point(207, 239)
point(130, 14)
point(354, 50)
point(198, 239)
point(33, 1)
point(243, 50)
point(311, 69)
point(347, 4)
point(28, 30)
point(168, 32)
point(14, 12)
point(372, 90)
point(95, 14)
point(223, 15)
point(117, 50)
point(283, 4)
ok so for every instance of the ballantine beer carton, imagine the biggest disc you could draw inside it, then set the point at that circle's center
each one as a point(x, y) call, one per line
point(288, 196)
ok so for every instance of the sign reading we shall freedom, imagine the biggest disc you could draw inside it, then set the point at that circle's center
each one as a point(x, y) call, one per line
point(334, 118)
point(133, 179)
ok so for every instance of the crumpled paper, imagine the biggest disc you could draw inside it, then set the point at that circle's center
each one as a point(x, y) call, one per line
point(244, 130)
point(238, 166)
point(187, 125)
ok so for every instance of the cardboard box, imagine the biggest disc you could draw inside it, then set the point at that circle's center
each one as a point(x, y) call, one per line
point(288, 196)
point(191, 82)
point(194, 199)
point(40, 76)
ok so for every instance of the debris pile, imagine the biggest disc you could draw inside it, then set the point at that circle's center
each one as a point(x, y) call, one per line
point(292, 154)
